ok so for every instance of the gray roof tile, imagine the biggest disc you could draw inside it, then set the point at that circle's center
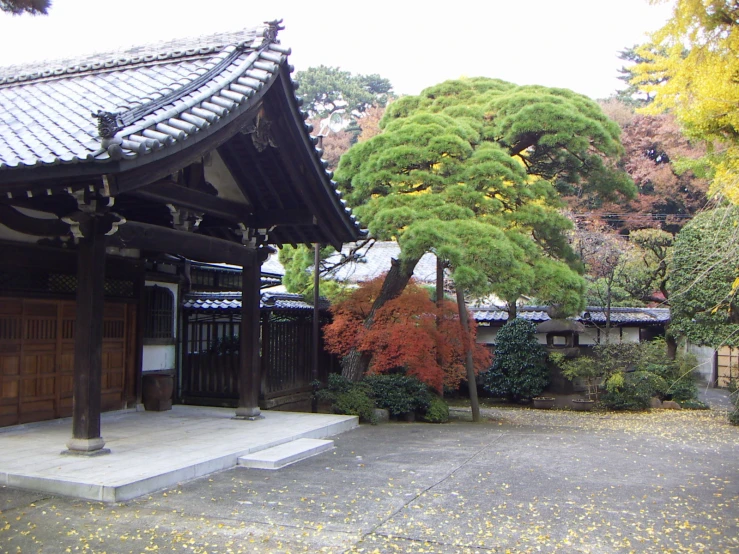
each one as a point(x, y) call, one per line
point(158, 95)
point(36, 97)
point(592, 315)
point(205, 302)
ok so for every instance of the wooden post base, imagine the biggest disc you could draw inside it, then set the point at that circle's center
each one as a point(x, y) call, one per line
point(250, 414)
point(86, 447)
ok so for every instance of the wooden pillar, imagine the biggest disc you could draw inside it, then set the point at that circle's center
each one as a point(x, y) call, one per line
point(316, 326)
point(249, 365)
point(88, 344)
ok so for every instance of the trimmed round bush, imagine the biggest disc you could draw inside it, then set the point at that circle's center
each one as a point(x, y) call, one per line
point(348, 398)
point(356, 402)
point(437, 412)
point(519, 370)
point(397, 393)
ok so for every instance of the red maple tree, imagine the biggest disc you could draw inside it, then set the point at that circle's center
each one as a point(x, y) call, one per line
point(409, 333)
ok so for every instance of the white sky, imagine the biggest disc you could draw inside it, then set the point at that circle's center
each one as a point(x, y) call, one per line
point(562, 43)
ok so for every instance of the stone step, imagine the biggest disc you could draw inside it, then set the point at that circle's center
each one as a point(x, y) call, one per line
point(285, 454)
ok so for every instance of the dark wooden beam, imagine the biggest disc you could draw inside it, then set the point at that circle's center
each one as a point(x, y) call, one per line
point(250, 379)
point(168, 192)
point(34, 226)
point(267, 218)
point(55, 177)
point(191, 245)
point(149, 168)
point(60, 204)
point(88, 344)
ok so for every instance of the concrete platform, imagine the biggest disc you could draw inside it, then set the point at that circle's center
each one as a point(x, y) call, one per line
point(285, 454)
point(149, 450)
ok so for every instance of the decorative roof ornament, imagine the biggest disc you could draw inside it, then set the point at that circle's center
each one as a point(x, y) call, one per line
point(109, 123)
point(273, 27)
point(261, 132)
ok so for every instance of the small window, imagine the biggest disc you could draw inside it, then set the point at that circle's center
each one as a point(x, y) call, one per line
point(159, 315)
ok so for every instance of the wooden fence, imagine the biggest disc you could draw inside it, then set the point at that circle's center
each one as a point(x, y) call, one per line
point(210, 365)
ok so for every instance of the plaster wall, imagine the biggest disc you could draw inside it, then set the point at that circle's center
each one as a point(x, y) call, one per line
point(162, 356)
point(218, 175)
point(486, 335)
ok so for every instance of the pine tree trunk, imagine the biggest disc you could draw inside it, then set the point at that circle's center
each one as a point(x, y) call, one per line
point(355, 364)
point(469, 365)
point(439, 282)
point(671, 346)
point(439, 302)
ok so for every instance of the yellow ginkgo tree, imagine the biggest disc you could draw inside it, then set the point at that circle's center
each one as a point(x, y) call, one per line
point(691, 68)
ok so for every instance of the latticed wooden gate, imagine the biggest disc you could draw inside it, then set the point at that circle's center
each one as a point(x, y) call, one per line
point(727, 366)
point(37, 358)
point(210, 367)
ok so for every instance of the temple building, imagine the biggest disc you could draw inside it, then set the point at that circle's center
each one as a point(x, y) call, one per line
point(120, 172)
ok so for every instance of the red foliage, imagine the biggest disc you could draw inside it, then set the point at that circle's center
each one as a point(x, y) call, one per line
point(409, 333)
point(666, 198)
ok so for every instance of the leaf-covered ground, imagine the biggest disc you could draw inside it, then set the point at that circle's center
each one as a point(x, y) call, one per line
point(522, 481)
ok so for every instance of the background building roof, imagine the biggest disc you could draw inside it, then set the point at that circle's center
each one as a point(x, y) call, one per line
point(375, 261)
point(593, 315)
point(219, 302)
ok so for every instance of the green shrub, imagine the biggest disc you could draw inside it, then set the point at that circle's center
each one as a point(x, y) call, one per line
point(519, 371)
point(348, 398)
point(356, 402)
point(734, 417)
point(398, 394)
point(584, 368)
point(678, 375)
point(438, 411)
point(633, 373)
point(336, 385)
point(631, 391)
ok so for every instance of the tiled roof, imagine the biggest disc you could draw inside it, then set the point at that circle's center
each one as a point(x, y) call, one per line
point(627, 315)
point(376, 261)
point(489, 314)
point(143, 103)
point(47, 110)
point(231, 301)
point(272, 265)
point(592, 315)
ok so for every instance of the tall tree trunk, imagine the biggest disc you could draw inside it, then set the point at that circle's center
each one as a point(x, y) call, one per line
point(608, 313)
point(439, 282)
point(439, 302)
point(471, 381)
point(671, 342)
point(356, 363)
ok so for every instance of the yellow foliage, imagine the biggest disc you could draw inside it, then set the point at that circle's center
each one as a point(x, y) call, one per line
point(692, 68)
point(615, 382)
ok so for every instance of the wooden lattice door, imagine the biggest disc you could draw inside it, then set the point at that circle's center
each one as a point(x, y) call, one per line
point(37, 358)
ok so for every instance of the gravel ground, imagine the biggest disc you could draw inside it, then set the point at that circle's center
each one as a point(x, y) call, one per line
point(520, 481)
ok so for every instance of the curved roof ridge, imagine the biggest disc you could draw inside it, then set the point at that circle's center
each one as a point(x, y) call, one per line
point(160, 51)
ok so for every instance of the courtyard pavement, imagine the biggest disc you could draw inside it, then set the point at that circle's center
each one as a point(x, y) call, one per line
point(521, 481)
point(149, 450)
